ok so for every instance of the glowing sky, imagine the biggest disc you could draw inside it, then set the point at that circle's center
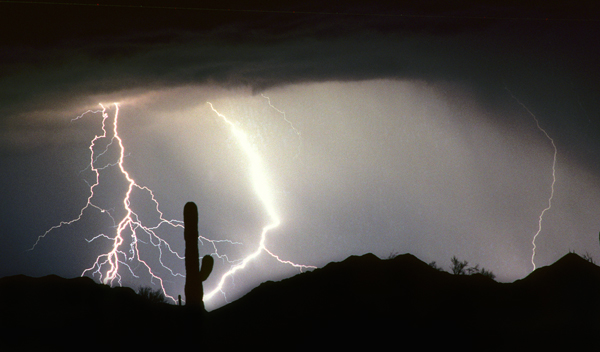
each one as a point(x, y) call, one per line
point(399, 133)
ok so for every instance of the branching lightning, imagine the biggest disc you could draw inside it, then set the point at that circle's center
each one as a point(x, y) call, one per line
point(537, 122)
point(108, 266)
point(259, 179)
point(130, 233)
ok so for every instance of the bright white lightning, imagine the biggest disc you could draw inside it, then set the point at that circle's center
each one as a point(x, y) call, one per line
point(124, 243)
point(537, 122)
point(108, 266)
point(259, 179)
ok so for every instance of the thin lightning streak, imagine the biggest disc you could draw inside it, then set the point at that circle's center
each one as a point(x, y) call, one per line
point(281, 112)
point(93, 168)
point(553, 175)
point(286, 120)
point(265, 195)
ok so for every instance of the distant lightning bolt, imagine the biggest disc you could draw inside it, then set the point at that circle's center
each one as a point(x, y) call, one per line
point(537, 122)
point(108, 266)
point(260, 183)
point(94, 169)
point(286, 120)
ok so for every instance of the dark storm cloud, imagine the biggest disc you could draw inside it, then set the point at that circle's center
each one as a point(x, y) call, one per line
point(58, 57)
point(78, 51)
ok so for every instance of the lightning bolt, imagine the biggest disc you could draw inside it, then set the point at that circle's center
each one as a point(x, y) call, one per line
point(124, 245)
point(125, 242)
point(259, 180)
point(286, 120)
point(537, 123)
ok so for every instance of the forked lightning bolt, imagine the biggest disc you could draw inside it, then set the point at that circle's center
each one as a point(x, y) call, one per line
point(537, 122)
point(130, 232)
point(125, 242)
point(263, 191)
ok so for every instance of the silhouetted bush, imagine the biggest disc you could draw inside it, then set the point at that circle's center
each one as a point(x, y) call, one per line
point(487, 273)
point(472, 270)
point(434, 265)
point(392, 255)
point(462, 268)
point(587, 256)
point(458, 267)
point(152, 296)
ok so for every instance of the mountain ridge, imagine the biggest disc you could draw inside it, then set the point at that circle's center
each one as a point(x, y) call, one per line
point(359, 292)
point(360, 301)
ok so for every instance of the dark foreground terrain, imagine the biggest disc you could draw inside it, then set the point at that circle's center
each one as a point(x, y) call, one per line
point(361, 302)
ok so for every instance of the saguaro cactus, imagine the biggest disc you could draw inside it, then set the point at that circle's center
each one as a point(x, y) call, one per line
point(194, 276)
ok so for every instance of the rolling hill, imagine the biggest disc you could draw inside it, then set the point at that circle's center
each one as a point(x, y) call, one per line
point(361, 302)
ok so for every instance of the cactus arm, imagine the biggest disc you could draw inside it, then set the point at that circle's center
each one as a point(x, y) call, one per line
point(207, 265)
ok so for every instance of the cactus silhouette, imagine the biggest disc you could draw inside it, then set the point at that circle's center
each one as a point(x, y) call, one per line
point(194, 276)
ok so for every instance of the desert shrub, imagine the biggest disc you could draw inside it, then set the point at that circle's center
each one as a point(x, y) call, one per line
point(152, 296)
point(487, 273)
point(458, 267)
point(393, 255)
point(462, 268)
point(434, 265)
point(587, 256)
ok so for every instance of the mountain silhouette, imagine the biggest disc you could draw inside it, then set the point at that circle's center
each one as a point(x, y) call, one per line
point(54, 313)
point(562, 298)
point(361, 302)
point(369, 302)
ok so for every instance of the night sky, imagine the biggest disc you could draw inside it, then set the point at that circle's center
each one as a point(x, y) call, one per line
point(427, 128)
